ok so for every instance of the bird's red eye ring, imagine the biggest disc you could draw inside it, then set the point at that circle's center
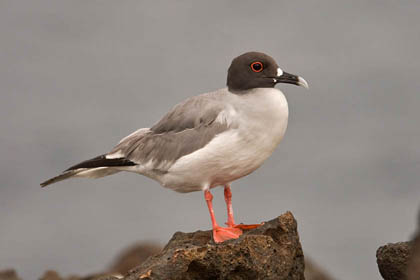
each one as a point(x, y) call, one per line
point(257, 66)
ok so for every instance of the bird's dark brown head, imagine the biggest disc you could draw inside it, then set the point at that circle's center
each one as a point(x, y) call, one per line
point(258, 70)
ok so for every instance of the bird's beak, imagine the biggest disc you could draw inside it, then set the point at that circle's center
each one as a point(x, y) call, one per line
point(291, 79)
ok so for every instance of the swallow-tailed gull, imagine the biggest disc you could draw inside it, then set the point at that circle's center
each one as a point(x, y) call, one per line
point(208, 140)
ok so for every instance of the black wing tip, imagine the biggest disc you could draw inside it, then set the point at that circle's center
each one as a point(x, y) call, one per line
point(86, 164)
point(48, 182)
point(58, 178)
point(99, 161)
point(102, 161)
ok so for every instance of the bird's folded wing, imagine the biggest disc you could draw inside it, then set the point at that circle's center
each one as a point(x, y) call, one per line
point(188, 127)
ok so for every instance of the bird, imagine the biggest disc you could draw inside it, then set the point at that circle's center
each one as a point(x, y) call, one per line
point(208, 140)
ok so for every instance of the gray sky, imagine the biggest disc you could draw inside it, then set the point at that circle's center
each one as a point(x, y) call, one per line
point(76, 76)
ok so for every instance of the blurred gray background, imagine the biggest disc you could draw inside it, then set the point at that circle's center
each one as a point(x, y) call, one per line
point(77, 76)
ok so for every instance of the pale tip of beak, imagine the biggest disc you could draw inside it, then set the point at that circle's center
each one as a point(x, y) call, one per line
point(303, 83)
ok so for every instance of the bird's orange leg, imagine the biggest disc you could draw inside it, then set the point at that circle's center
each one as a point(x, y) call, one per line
point(220, 234)
point(228, 199)
point(231, 221)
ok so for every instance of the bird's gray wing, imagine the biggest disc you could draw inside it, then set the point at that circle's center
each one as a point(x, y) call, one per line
point(188, 127)
point(193, 112)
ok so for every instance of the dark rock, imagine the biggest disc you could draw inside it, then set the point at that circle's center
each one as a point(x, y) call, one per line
point(392, 260)
point(272, 251)
point(134, 256)
point(8, 274)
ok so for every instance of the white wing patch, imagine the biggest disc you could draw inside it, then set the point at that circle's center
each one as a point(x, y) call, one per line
point(117, 154)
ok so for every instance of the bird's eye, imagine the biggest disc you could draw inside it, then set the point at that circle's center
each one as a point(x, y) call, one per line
point(257, 66)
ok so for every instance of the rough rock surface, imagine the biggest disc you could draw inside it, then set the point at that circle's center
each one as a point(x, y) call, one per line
point(400, 261)
point(392, 260)
point(413, 269)
point(136, 254)
point(272, 251)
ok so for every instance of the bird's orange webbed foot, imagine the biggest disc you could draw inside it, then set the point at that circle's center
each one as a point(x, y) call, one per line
point(221, 234)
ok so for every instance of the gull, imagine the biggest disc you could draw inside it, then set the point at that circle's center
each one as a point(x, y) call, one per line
point(208, 140)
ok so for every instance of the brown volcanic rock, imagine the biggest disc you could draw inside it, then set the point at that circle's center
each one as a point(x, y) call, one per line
point(413, 270)
point(400, 261)
point(272, 251)
point(392, 260)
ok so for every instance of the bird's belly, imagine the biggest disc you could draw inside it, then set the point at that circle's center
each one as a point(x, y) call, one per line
point(229, 156)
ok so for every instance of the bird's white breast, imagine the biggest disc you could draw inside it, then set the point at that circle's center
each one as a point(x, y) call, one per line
point(260, 119)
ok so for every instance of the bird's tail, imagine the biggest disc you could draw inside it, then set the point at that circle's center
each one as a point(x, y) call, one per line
point(93, 168)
